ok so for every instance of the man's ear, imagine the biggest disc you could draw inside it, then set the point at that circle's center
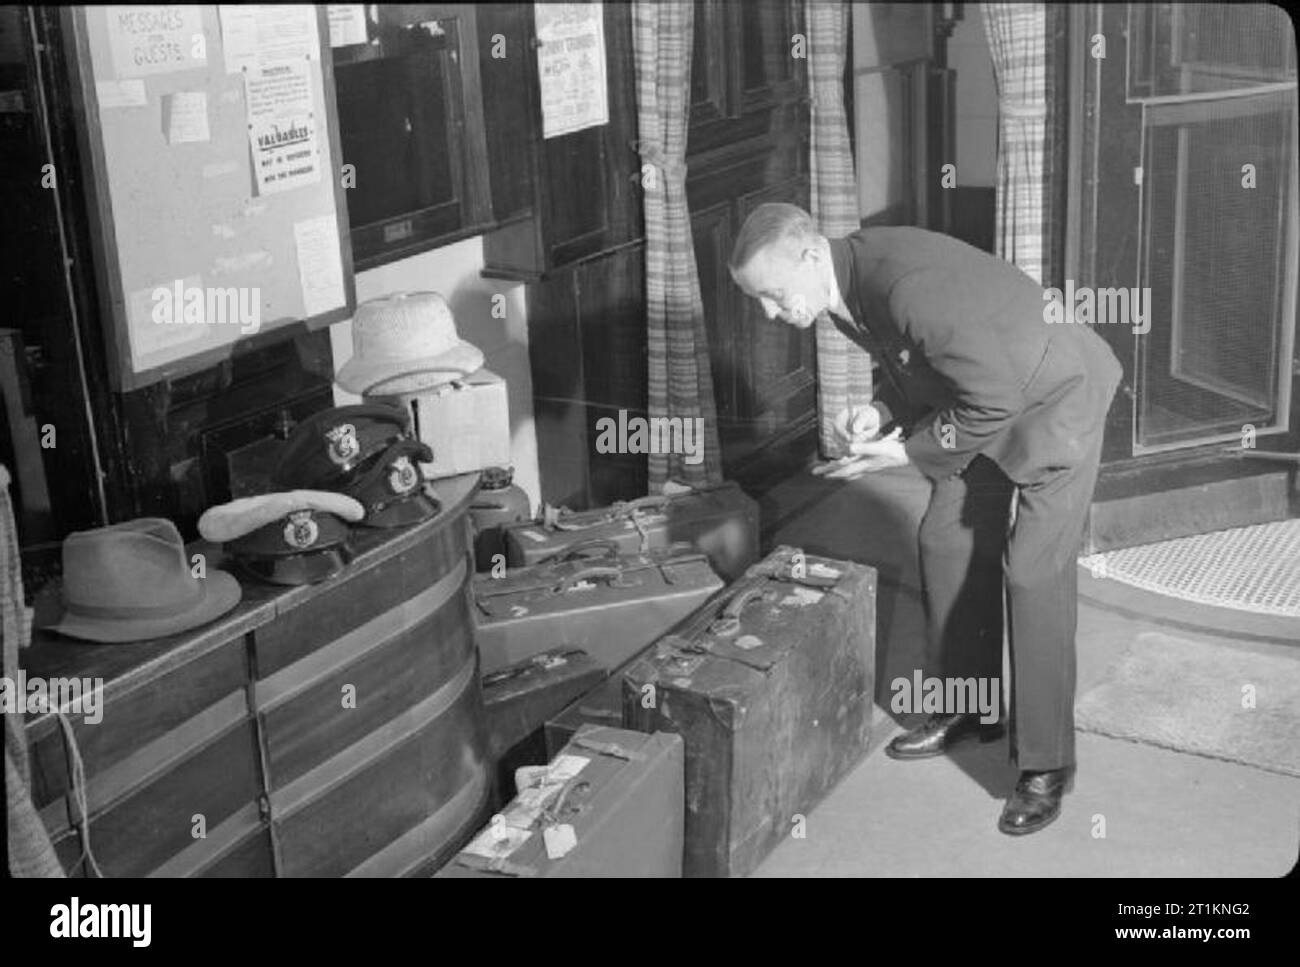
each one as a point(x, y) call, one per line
point(813, 253)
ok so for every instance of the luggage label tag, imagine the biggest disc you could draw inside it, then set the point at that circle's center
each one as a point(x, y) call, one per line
point(560, 840)
point(802, 596)
point(539, 787)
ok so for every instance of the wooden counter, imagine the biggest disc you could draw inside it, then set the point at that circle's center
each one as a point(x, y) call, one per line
point(321, 730)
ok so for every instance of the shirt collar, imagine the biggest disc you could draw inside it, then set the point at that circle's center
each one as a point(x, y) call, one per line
point(842, 262)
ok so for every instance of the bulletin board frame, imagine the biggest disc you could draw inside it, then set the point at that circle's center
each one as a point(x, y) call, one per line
point(113, 289)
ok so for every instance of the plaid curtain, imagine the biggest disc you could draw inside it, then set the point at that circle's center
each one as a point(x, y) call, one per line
point(843, 367)
point(1018, 41)
point(681, 382)
point(30, 850)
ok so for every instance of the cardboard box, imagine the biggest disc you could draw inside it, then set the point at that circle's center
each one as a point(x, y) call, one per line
point(466, 423)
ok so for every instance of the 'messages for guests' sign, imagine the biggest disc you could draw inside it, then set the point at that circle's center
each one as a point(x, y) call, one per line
point(155, 39)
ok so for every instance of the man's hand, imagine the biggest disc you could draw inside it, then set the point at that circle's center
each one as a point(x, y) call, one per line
point(857, 424)
point(867, 457)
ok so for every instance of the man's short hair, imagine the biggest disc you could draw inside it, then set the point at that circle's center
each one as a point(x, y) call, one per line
point(769, 224)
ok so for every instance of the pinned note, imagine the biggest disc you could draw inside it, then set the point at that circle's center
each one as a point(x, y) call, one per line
point(320, 266)
point(347, 23)
point(187, 117)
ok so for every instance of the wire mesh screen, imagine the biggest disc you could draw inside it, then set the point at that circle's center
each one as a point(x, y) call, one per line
point(1217, 254)
point(1190, 48)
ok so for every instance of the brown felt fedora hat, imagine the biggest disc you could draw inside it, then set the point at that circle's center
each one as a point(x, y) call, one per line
point(132, 582)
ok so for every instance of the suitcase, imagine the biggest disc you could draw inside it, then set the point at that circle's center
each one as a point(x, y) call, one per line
point(611, 804)
point(770, 686)
point(607, 604)
point(520, 698)
point(602, 705)
point(720, 521)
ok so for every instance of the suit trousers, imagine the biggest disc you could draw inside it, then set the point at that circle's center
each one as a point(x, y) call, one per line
point(970, 554)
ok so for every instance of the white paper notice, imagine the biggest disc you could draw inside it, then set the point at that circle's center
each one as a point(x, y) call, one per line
point(278, 90)
point(256, 34)
point(165, 315)
point(571, 66)
point(320, 266)
point(187, 117)
point(120, 94)
point(282, 130)
point(285, 154)
point(156, 38)
point(347, 23)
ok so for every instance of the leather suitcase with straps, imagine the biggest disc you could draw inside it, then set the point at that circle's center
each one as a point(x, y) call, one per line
point(589, 597)
point(770, 686)
point(720, 521)
point(610, 805)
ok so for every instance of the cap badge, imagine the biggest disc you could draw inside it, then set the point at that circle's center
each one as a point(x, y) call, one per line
point(302, 530)
point(343, 445)
point(402, 476)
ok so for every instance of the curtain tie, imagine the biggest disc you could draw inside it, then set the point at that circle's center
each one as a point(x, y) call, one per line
point(1023, 110)
point(826, 100)
point(651, 153)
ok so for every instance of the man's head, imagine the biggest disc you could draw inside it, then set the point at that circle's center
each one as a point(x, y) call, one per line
point(781, 260)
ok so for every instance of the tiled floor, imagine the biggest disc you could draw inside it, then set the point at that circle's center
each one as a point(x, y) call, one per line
point(1136, 810)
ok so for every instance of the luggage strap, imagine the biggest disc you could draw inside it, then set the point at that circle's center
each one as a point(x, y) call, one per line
point(561, 518)
point(496, 864)
point(578, 549)
point(526, 667)
point(566, 578)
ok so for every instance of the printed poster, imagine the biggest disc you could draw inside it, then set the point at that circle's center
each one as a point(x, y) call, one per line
point(571, 66)
point(282, 130)
point(257, 34)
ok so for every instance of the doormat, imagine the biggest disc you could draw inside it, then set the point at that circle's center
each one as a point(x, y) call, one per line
point(1191, 696)
point(1254, 568)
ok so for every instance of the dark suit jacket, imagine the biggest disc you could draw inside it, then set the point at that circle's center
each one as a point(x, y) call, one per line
point(970, 363)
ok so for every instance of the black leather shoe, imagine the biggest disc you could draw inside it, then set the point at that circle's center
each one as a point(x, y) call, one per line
point(940, 733)
point(1036, 801)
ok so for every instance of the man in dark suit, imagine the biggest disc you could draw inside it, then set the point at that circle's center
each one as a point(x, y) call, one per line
point(989, 401)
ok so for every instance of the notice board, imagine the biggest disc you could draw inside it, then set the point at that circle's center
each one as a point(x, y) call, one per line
point(217, 204)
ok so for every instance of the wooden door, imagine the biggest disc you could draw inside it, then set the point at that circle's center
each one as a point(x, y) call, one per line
point(748, 144)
